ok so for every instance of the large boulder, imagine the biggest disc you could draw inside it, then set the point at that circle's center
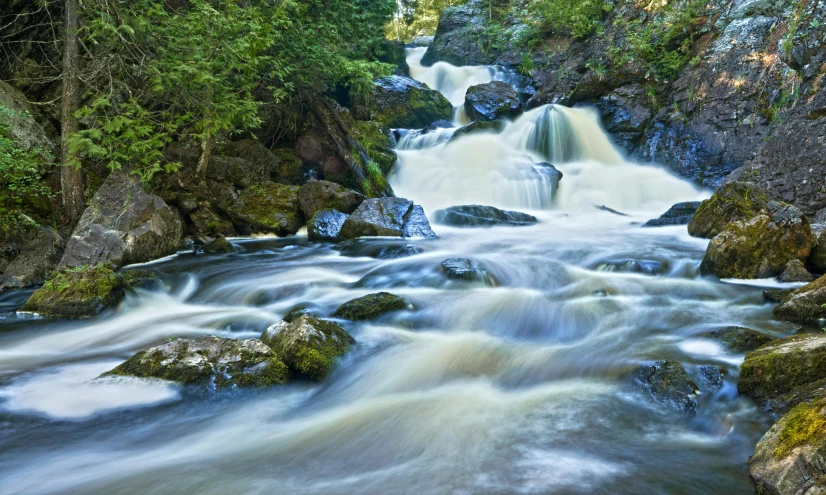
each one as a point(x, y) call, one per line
point(317, 195)
point(731, 202)
point(491, 101)
point(805, 303)
point(740, 339)
point(267, 208)
point(454, 41)
point(29, 129)
point(392, 217)
point(399, 101)
point(308, 345)
point(210, 359)
point(817, 258)
point(326, 225)
point(669, 384)
point(243, 163)
point(478, 215)
point(795, 271)
point(371, 306)
point(123, 225)
point(679, 214)
point(36, 259)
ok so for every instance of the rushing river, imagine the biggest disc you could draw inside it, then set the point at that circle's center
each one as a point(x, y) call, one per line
point(522, 387)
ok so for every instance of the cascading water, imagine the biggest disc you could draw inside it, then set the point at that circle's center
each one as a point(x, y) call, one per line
point(523, 387)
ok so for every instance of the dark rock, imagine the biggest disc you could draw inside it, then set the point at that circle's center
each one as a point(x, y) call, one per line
point(393, 217)
point(817, 258)
point(371, 306)
point(777, 295)
point(123, 225)
point(399, 101)
point(206, 221)
point(317, 195)
point(219, 245)
point(311, 148)
point(186, 203)
point(267, 208)
point(805, 303)
point(492, 101)
point(334, 169)
point(648, 267)
point(393, 53)
point(740, 339)
point(679, 214)
point(610, 210)
point(78, 293)
point(226, 362)
point(795, 271)
point(374, 249)
point(37, 258)
point(416, 224)
point(493, 127)
point(243, 164)
point(326, 225)
point(465, 269)
point(478, 215)
point(711, 377)
point(308, 345)
point(626, 114)
point(669, 384)
point(454, 41)
point(402, 251)
point(289, 165)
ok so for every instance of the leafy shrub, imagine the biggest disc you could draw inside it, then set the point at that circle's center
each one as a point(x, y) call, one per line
point(579, 18)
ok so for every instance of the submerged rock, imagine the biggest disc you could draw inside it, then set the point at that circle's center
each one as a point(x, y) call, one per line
point(219, 245)
point(669, 384)
point(393, 217)
point(491, 101)
point(493, 127)
point(777, 295)
point(610, 210)
point(478, 215)
point(227, 362)
point(402, 102)
point(711, 377)
point(795, 271)
point(308, 345)
point(325, 225)
point(371, 306)
point(465, 269)
point(740, 339)
point(267, 208)
point(679, 214)
point(317, 195)
point(376, 249)
point(648, 267)
point(805, 303)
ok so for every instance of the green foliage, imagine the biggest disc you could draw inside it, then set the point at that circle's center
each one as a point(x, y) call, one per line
point(418, 17)
point(21, 172)
point(579, 18)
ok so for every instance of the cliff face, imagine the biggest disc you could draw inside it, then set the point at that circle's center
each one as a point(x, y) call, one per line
point(749, 99)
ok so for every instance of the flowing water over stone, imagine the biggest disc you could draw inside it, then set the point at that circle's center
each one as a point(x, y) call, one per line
point(522, 385)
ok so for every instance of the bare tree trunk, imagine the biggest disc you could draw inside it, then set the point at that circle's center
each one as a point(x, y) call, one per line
point(71, 176)
point(203, 161)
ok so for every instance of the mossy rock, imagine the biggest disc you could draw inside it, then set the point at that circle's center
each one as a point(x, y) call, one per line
point(805, 303)
point(219, 245)
point(78, 292)
point(731, 202)
point(817, 258)
point(308, 345)
point(377, 142)
point(780, 373)
point(402, 102)
point(289, 165)
point(371, 306)
point(669, 384)
point(740, 339)
point(226, 362)
point(267, 208)
point(789, 457)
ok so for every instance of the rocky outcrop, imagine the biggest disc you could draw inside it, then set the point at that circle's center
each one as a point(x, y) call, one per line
point(243, 163)
point(267, 208)
point(806, 303)
point(205, 360)
point(478, 215)
point(731, 202)
point(401, 102)
point(317, 195)
point(454, 41)
point(123, 225)
point(392, 217)
point(740, 339)
point(817, 258)
point(668, 384)
point(326, 225)
point(29, 129)
point(492, 101)
point(37, 257)
point(371, 306)
point(308, 345)
point(679, 214)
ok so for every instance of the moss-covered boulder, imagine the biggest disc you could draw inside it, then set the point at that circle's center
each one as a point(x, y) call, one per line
point(668, 384)
point(308, 345)
point(760, 246)
point(491, 101)
point(731, 202)
point(783, 373)
point(789, 459)
point(402, 102)
point(78, 293)
point(371, 306)
point(226, 362)
point(219, 245)
point(805, 303)
point(289, 165)
point(376, 141)
point(740, 339)
point(317, 195)
point(267, 208)
point(777, 295)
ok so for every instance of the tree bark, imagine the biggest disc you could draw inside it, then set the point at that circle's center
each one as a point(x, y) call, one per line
point(71, 176)
point(203, 161)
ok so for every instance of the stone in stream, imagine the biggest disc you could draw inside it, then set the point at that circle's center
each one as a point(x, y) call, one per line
point(465, 269)
point(491, 101)
point(393, 217)
point(308, 345)
point(267, 208)
point(669, 384)
point(777, 295)
point(401, 102)
point(805, 303)
point(648, 267)
point(478, 215)
point(679, 214)
point(492, 126)
point(711, 377)
point(226, 362)
point(317, 195)
point(325, 225)
point(219, 245)
point(740, 339)
point(736, 201)
point(795, 271)
point(371, 306)
point(376, 249)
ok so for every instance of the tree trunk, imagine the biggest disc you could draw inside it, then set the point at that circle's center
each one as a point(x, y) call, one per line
point(203, 161)
point(71, 176)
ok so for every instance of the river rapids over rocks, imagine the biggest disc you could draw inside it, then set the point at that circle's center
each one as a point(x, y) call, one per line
point(522, 385)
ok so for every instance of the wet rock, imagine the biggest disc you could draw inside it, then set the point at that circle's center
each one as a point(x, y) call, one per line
point(777, 295)
point(226, 362)
point(610, 210)
point(267, 208)
point(805, 303)
point(399, 101)
point(393, 217)
point(205, 220)
point(374, 249)
point(795, 271)
point(669, 384)
point(492, 101)
point(416, 224)
point(123, 225)
point(371, 306)
point(817, 258)
point(491, 127)
point(648, 267)
point(679, 214)
point(454, 41)
point(78, 293)
point(308, 345)
point(732, 202)
point(396, 252)
point(465, 269)
point(711, 377)
point(626, 113)
point(789, 459)
point(740, 339)
point(478, 215)
point(325, 225)
point(785, 372)
point(36, 259)
point(219, 245)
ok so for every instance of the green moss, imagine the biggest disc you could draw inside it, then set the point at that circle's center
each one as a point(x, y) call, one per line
point(376, 142)
point(781, 367)
point(78, 292)
point(268, 207)
point(275, 373)
point(803, 425)
point(370, 306)
point(310, 351)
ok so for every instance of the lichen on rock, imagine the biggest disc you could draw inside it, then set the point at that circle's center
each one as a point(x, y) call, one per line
point(308, 345)
point(267, 208)
point(78, 292)
point(371, 306)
